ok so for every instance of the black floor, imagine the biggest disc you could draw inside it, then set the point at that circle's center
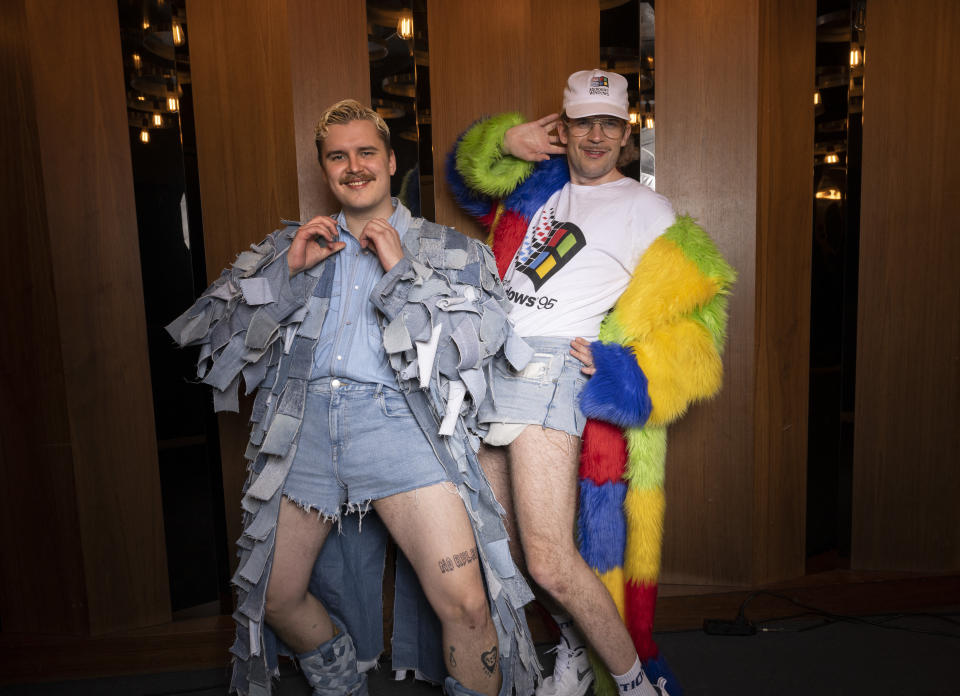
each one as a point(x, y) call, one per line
point(913, 655)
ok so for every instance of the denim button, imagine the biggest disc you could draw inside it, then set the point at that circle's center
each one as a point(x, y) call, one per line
point(334, 383)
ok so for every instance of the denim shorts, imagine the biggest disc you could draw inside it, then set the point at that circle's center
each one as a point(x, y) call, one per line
point(359, 442)
point(543, 393)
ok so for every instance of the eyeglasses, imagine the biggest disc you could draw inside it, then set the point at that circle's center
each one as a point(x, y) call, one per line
point(609, 126)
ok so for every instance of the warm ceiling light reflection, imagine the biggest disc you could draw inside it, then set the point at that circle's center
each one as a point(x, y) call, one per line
point(405, 27)
point(634, 118)
point(855, 57)
point(171, 103)
point(648, 122)
point(816, 98)
point(830, 194)
point(177, 34)
point(137, 61)
point(157, 120)
point(144, 135)
point(146, 23)
point(832, 158)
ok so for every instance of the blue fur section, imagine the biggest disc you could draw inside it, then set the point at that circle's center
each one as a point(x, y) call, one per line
point(655, 669)
point(548, 176)
point(474, 203)
point(603, 529)
point(617, 393)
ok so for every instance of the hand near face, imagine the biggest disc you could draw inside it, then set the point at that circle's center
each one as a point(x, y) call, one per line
point(533, 141)
point(580, 349)
point(385, 241)
point(313, 242)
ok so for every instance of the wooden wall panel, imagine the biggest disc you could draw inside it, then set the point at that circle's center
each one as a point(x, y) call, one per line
point(80, 157)
point(36, 458)
point(734, 149)
point(500, 55)
point(785, 129)
point(906, 479)
point(324, 72)
point(262, 72)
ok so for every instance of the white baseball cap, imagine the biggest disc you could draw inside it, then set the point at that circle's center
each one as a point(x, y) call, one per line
point(596, 93)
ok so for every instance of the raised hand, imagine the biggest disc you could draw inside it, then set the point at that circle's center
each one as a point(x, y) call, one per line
point(313, 242)
point(580, 349)
point(533, 141)
point(379, 234)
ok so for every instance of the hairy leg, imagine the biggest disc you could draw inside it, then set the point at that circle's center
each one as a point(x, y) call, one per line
point(293, 613)
point(431, 527)
point(543, 466)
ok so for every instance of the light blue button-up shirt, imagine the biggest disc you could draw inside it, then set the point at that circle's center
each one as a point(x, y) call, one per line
point(351, 343)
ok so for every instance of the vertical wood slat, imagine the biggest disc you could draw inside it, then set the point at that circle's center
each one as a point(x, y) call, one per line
point(262, 72)
point(906, 481)
point(734, 145)
point(500, 55)
point(95, 457)
point(324, 72)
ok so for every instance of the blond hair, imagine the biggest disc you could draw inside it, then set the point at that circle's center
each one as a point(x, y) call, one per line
point(344, 112)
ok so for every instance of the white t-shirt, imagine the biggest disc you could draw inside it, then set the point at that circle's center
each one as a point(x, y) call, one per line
point(578, 255)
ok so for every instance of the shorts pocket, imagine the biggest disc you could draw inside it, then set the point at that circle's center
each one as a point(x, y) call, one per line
point(394, 405)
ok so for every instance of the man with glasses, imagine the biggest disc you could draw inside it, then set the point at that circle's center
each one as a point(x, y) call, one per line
point(605, 281)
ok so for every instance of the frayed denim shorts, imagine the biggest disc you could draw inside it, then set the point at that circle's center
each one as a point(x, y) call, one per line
point(544, 392)
point(359, 442)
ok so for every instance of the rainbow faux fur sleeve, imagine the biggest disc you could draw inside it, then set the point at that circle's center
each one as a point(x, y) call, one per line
point(660, 347)
point(659, 351)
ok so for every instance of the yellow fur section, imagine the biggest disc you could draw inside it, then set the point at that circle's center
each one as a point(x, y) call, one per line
point(644, 509)
point(665, 285)
point(493, 225)
point(681, 363)
point(613, 581)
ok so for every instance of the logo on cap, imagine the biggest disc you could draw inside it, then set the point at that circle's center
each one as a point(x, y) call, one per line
point(599, 81)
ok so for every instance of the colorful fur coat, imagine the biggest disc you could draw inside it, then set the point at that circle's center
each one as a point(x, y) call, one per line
point(659, 351)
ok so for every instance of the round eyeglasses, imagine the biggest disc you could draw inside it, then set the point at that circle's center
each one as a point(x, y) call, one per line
point(609, 126)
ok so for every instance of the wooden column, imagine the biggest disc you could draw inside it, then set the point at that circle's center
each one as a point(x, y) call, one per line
point(500, 55)
point(262, 72)
point(906, 482)
point(83, 531)
point(735, 84)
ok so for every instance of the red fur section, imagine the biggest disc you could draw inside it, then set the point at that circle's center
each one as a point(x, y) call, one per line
point(603, 456)
point(488, 219)
point(507, 238)
point(639, 602)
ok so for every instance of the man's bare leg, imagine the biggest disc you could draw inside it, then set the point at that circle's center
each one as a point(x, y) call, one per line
point(543, 468)
point(496, 467)
point(293, 613)
point(431, 527)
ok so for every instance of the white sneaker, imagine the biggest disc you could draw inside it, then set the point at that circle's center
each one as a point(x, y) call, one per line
point(572, 675)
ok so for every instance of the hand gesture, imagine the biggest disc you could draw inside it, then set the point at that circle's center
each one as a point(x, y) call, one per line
point(580, 349)
point(533, 141)
point(313, 242)
point(379, 234)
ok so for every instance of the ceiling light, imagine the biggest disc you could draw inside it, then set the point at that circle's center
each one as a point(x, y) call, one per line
point(157, 120)
point(178, 37)
point(830, 194)
point(144, 135)
point(831, 158)
point(405, 27)
point(171, 103)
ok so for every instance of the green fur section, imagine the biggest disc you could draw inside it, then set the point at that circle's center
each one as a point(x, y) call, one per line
point(713, 317)
point(646, 455)
point(611, 331)
point(699, 248)
point(603, 684)
point(482, 163)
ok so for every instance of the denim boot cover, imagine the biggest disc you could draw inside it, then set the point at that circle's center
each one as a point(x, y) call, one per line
point(331, 669)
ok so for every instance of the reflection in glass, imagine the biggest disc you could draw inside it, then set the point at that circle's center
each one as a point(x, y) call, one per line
point(400, 92)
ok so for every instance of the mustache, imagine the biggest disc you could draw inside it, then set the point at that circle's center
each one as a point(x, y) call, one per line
point(350, 178)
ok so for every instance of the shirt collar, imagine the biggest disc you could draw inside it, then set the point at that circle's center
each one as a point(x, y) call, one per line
point(399, 220)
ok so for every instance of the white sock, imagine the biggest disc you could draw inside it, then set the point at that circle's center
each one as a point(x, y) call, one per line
point(634, 682)
point(568, 632)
